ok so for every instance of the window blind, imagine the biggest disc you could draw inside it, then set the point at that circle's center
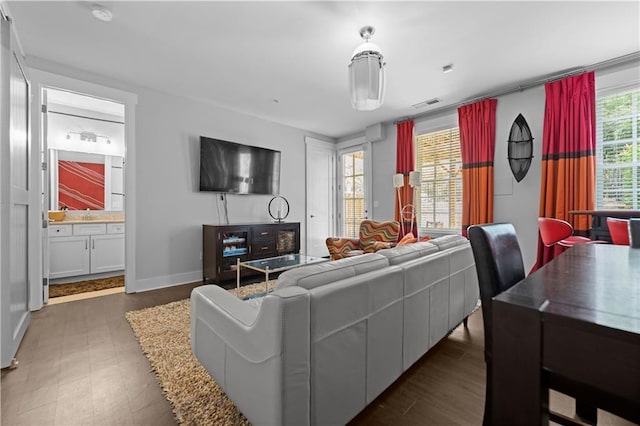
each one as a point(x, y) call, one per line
point(439, 161)
point(617, 156)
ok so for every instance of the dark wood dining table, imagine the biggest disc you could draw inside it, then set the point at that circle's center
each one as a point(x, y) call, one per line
point(574, 326)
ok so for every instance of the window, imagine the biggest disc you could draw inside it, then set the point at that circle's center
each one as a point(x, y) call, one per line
point(438, 159)
point(353, 193)
point(617, 156)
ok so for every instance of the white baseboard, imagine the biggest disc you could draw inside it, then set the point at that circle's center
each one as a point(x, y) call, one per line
point(155, 283)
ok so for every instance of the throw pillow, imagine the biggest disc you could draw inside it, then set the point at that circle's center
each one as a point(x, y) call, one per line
point(374, 246)
point(407, 239)
point(425, 238)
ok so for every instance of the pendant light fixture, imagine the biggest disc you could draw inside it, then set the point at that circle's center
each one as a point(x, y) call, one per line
point(101, 13)
point(366, 74)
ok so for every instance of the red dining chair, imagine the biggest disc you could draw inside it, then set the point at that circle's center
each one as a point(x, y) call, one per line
point(557, 231)
point(619, 230)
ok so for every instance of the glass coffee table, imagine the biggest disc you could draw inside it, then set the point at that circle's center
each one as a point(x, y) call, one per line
point(276, 264)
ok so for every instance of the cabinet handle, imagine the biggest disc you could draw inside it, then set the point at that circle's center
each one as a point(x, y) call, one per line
point(264, 233)
point(93, 244)
point(86, 245)
point(264, 248)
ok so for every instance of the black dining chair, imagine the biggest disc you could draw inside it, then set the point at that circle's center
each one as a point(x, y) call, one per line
point(499, 266)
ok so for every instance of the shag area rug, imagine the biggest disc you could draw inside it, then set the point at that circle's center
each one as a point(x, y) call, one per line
point(58, 290)
point(163, 333)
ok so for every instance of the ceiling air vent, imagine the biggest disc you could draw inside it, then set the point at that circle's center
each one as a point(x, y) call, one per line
point(426, 103)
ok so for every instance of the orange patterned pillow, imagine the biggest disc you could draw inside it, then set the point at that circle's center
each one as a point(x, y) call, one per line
point(425, 238)
point(374, 246)
point(407, 239)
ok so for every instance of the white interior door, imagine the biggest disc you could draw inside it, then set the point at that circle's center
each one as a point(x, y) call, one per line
point(16, 214)
point(320, 188)
point(44, 198)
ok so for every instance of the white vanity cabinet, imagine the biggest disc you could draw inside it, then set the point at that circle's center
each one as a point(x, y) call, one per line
point(68, 256)
point(85, 248)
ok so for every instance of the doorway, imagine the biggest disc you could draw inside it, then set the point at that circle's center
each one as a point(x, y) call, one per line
point(354, 187)
point(320, 189)
point(83, 147)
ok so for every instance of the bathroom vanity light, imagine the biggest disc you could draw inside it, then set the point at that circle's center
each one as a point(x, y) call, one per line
point(88, 136)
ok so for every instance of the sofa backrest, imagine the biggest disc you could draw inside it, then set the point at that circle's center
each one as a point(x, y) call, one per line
point(356, 343)
point(312, 276)
point(448, 241)
point(401, 254)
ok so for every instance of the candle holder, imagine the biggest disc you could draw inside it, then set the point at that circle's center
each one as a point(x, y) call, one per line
point(278, 208)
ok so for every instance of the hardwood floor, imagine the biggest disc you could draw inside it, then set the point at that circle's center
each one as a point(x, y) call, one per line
point(81, 364)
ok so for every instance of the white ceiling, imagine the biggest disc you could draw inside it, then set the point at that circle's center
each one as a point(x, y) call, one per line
point(245, 55)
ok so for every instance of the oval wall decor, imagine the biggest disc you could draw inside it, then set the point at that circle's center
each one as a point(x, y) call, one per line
point(520, 148)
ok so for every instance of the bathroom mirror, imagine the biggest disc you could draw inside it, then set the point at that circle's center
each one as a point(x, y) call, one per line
point(80, 181)
point(85, 141)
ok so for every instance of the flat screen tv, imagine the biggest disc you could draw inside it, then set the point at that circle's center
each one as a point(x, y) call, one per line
point(235, 168)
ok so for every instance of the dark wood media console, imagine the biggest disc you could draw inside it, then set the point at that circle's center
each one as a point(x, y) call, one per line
point(222, 245)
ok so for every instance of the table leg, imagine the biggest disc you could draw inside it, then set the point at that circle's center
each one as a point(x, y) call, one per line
point(519, 392)
point(238, 272)
point(266, 281)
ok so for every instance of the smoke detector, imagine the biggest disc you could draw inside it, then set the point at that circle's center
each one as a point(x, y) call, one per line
point(101, 13)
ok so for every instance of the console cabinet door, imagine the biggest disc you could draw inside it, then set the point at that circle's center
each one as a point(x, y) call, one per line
point(69, 256)
point(107, 253)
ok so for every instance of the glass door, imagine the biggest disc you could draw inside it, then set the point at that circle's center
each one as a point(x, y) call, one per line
point(352, 190)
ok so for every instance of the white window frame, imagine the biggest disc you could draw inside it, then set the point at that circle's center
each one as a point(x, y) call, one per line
point(440, 123)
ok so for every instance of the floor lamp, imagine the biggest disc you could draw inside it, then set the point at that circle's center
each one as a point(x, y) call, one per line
point(398, 182)
point(414, 182)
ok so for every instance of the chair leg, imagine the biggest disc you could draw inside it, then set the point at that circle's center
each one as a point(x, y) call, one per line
point(465, 322)
point(487, 419)
point(588, 413)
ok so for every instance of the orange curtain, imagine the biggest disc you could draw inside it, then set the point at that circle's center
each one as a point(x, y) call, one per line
point(405, 163)
point(477, 145)
point(568, 156)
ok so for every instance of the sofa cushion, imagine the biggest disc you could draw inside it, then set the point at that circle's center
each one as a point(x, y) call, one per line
point(312, 276)
point(448, 241)
point(401, 254)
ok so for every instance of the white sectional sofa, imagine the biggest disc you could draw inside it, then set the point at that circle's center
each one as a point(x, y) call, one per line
point(332, 336)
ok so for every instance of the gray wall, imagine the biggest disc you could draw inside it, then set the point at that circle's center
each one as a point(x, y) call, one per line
point(169, 209)
point(515, 202)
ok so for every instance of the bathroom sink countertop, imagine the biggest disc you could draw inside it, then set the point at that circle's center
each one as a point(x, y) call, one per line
point(76, 218)
point(76, 221)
